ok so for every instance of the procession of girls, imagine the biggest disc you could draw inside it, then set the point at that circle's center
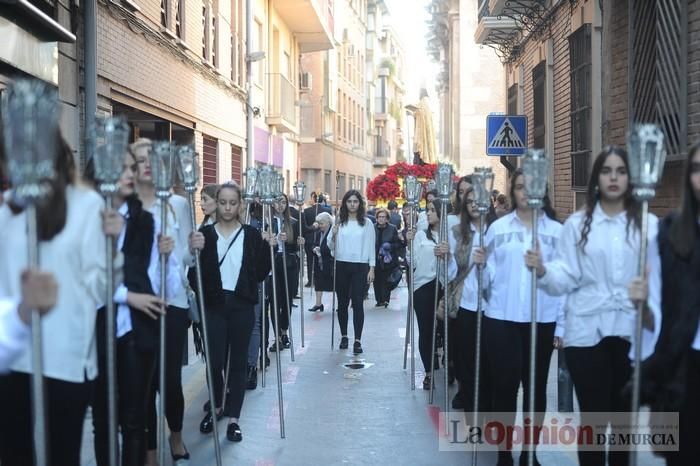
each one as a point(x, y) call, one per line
point(586, 300)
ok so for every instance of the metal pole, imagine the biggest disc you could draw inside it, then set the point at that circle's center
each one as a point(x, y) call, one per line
point(161, 362)
point(289, 305)
point(110, 333)
point(533, 341)
point(335, 254)
point(248, 84)
point(277, 333)
point(636, 375)
point(406, 335)
point(411, 303)
point(446, 352)
point(301, 279)
point(263, 329)
point(205, 335)
point(477, 342)
point(38, 394)
point(435, 324)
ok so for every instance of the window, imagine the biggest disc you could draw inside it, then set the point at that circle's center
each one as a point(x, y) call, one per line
point(580, 76)
point(164, 13)
point(180, 19)
point(215, 45)
point(352, 182)
point(236, 156)
point(209, 160)
point(258, 46)
point(327, 181)
point(539, 103)
point(205, 31)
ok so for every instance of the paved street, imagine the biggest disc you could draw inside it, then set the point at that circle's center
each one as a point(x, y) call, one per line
point(336, 415)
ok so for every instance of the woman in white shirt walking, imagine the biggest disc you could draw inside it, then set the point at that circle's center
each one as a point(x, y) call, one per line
point(506, 324)
point(352, 241)
point(596, 259)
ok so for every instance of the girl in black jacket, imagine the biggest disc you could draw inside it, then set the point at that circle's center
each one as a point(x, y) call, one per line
point(234, 260)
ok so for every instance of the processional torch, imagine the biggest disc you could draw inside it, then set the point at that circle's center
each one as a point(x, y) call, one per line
point(300, 195)
point(279, 195)
point(267, 177)
point(412, 189)
point(535, 168)
point(163, 165)
point(482, 180)
point(647, 155)
point(112, 139)
point(188, 170)
point(30, 110)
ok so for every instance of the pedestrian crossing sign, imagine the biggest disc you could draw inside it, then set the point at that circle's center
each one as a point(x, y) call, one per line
point(506, 135)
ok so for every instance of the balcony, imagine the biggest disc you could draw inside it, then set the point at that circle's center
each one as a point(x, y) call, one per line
point(493, 30)
point(311, 22)
point(282, 110)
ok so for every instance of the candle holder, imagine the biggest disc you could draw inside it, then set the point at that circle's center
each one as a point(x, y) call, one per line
point(443, 181)
point(250, 184)
point(535, 166)
point(299, 196)
point(187, 167)
point(162, 165)
point(482, 181)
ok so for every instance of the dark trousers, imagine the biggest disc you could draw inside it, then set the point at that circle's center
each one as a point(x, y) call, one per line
point(351, 279)
point(424, 307)
point(66, 405)
point(382, 294)
point(175, 334)
point(508, 356)
point(310, 256)
point(599, 374)
point(688, 414)
point(229, 334)
point(464, 356)
point(284, 312)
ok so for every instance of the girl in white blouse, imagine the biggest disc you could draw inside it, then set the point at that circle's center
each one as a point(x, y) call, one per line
point(71, 225)
point(595, 261)
point(352, 243)
point(506, 324)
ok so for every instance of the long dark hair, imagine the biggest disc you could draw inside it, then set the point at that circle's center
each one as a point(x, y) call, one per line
point(465, 220)
point(437, 205)
point(684, 227)
point(52, 210)
point(287, 221)
point(344, 208)
point(547, 203)
point(593, 194)
point(210, 190)
point(458, 198)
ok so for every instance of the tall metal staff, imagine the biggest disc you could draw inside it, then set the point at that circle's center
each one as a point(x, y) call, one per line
point(535, 169)
point(443, 180)
point(482, 181)
point(163, 163)
point(109, 159)
point(647, 155)
point(31, 123)
point(250, 190)
point(412, 190)
point(279, 191)
point(267, 178)
point(300, 195)
point(335, 254)
point(188, 169)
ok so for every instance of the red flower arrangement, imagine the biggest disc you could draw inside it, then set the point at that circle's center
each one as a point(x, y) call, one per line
point(387, 186)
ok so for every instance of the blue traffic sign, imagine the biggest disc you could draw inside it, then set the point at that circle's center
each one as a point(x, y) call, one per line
point(506, 135)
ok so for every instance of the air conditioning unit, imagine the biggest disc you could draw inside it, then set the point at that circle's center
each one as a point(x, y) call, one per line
point(305, 81)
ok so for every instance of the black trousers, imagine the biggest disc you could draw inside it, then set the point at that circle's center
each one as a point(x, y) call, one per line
point(282, 293)
point(66, 405)
point(508, 355)
point(689, 414)
point(309, 249)
point(463, 348)
point(424, 307)
point(229, 334)
point(381, 288)
point(599, 374)
point(176, 325)
point(350, 282)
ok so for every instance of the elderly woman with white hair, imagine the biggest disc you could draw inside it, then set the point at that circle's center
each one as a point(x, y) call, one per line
point(323, 265)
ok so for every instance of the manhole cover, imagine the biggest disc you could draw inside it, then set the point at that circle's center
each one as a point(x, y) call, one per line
point(357, 365)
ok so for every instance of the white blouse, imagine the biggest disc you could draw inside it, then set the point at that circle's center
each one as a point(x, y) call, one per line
point(425, 263)
point(355, 243)
point(14, 334)
point(469, 300)
point(507, 241)
point(595, 278)
point(76, 257)
point(231, 266)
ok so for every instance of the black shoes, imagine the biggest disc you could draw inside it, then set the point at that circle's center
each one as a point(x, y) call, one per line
point(284, 344)
point(357, 347)
point(207, 407)
point(318, 307)
point(252, 383)
point(458, 402)
point(307, 285)
point(343, 343)
point(427, 382)
point(207, 424)
point(523, 459)
point(233, 433)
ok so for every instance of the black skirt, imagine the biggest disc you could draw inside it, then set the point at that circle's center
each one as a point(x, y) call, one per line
point(323, 274)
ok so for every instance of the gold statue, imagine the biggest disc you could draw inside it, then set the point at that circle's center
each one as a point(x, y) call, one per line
point(424, 139)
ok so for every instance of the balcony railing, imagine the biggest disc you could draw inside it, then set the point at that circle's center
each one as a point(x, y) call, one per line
point(483, 9)
point(282, 109)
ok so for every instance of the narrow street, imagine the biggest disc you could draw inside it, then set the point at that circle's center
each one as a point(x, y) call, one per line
point(335, 415)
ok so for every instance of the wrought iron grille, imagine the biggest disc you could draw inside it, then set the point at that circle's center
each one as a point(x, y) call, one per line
point(658, 40)
point(580, 75)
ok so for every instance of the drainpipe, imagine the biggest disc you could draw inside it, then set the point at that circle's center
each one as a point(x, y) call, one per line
point(249, 88)
point(90, 63)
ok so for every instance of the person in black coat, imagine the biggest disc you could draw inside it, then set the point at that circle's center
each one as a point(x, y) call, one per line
point(311, 231)
point(234, 259)
point(387, 247)
point(323, 272)
point(671, 376)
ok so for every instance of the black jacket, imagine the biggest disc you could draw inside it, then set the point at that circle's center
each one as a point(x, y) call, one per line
point(663, 373)
point(388, 234)
point(254, 267)
point(138, 243)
